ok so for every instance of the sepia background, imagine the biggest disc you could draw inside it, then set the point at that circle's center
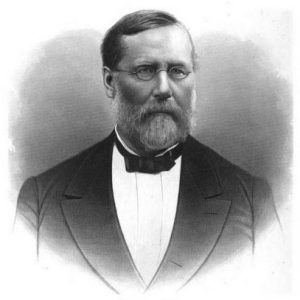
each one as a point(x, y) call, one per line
point(57, 105)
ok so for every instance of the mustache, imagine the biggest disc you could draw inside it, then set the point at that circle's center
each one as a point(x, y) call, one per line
point(170, 109)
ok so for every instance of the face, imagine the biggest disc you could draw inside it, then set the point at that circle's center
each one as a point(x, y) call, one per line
point(154, 114)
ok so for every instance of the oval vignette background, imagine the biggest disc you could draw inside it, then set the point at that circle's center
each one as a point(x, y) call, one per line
point(243, 109)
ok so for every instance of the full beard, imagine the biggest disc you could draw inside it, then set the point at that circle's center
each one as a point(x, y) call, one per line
point(154, 126)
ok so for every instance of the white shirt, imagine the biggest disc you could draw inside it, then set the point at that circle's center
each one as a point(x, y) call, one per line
point(146, 207)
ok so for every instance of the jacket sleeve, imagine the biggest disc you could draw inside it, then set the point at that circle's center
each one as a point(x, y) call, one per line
point(27, 205)
point(270, 253)
point(264, 210)
point(29, 277)
point(25, 230)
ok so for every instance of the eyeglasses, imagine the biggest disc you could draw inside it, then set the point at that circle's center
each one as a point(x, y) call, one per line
point(147, 73)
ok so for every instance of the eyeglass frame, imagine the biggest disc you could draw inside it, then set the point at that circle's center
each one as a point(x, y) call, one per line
point(155, 73)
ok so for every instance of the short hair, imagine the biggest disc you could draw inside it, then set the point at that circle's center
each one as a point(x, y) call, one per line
point(111, 49)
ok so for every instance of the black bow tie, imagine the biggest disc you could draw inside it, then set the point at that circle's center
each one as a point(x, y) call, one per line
point(150, 165)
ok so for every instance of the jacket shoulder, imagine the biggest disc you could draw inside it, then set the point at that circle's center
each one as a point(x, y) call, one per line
point(223, 168)
point(244, 188)
point(36, 188)
point(64, 171)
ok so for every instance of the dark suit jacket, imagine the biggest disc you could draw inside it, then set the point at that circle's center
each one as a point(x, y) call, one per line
point(70, 208)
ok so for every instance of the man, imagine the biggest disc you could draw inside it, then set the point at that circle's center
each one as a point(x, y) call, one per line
point(149, 206)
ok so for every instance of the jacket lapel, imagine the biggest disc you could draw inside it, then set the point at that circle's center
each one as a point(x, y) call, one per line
point(201, 214)
point(90, 214)
point(91, 217)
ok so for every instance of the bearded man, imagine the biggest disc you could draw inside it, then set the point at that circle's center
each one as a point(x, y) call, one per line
point(149, 206)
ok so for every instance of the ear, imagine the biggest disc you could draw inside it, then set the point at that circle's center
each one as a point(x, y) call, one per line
point(109, 82)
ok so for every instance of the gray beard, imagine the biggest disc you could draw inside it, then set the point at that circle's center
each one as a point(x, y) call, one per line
point(155, 126)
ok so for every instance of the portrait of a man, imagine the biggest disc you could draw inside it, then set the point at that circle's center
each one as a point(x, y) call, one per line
point(149, 207)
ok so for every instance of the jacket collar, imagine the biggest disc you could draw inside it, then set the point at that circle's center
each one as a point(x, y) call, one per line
point(99, 157)
point(207, 180)
point(202, 167)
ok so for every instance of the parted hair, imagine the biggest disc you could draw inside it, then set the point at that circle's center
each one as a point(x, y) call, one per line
point(133, 23)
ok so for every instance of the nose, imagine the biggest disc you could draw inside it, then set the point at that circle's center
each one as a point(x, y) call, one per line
point(162, 89)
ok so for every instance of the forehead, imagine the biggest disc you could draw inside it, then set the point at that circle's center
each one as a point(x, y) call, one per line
point(169, 44)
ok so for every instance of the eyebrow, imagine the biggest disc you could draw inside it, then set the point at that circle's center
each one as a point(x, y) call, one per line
point(156, 64)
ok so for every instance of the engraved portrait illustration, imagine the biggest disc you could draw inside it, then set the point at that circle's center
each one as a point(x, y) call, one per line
point(151, 160)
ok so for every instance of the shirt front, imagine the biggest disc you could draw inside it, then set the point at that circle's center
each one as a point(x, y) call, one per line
point(146, 208)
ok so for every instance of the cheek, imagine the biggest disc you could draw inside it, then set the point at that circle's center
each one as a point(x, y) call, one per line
point(133, 92)
point(184, 95)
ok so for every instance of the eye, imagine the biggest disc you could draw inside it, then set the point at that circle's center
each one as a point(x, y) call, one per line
point(145, 72)
point(178, 72)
